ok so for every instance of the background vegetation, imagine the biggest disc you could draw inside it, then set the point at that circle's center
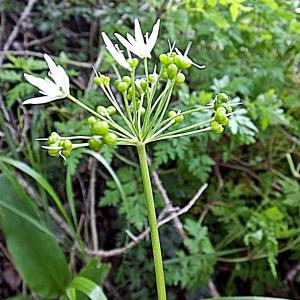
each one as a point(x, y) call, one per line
point(242, 235)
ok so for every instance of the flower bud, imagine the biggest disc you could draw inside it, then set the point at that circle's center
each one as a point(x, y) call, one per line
point(110, 138)
point(222, 97)
point(180, 78)
point(95, 143)
point(122, 86)
point(53, 138)
point(172, 71)
point(100, 127)
point(133, 62)
point(111, 110)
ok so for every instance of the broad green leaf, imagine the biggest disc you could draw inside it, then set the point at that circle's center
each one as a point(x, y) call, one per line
point(35, 252)
point(234, 11)
point(42, 181)
point(87, 287)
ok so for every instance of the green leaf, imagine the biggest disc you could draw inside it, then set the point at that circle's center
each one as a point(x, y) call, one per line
point(42, 181)
point(234, 11)
point(36, 253)
point(19, 298)
point(246, 298)
point(87, 287)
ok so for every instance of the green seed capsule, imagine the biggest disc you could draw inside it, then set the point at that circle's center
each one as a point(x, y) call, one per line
point(95, 143)
point(100, 127)
point(181, 62)
point(180, 78)
point(66, 152)
point(91, 120)
point(220, 114)
point(143, 84)
point(105, 80)
point(172, 71)
point(111, 110)
point(142, 110)
point(133, 62)
point(222, 97)
point(179, 118)
point(122, 86)
point(217, 127)
point(101, 110)
point(225, 122)
point(53, 138)
point(110, 138)
point(98, 80)
point(67, 145)
point(163, 59)
point(171, 113)
point(164, 74)
point(127, 79)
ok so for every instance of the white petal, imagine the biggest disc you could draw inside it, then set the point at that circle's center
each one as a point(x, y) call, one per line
point(45, 85)
point(118, 56)
point(40, 100)
point(65, 82)
point(138, 32)
point(130, 38)
point(153, 37)
point(126, 44)
point(54, 71)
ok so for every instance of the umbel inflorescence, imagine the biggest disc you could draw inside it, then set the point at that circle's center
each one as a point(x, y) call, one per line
point(145, 99)
point(140, 116)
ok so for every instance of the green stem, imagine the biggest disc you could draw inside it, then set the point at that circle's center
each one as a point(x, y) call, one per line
point(158, 264)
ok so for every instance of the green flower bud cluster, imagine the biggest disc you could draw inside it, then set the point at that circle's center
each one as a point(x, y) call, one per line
point(172, 64)
point(99, 127)
point(177, 119)
point(55, 141)
point(221, 108)
point(102, 79)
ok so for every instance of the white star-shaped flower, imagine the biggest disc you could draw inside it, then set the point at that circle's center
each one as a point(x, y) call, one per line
point(139, 45)
point(59, 88)
point(115, 52)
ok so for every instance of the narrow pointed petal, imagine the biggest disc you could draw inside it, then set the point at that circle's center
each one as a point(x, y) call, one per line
point(39, 100)
point(65, 81)
point(42, 84)
point(130, 38)
point(138, 32)
point(126, 44)
point(118, 56)
point(153, 37)
point(52, 147)
point(54, 71)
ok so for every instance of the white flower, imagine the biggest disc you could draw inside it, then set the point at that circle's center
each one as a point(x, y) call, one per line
point(185, 57)
point(115, 52)
point(58, 89)
point(138, 45)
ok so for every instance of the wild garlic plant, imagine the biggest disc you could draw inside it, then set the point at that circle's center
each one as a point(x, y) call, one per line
point(144, 109)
